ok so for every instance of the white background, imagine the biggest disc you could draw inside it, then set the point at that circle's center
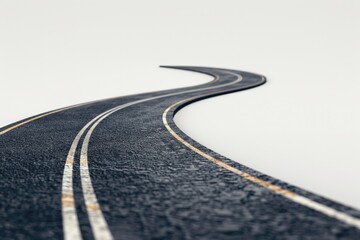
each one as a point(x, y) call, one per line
point(302, 126)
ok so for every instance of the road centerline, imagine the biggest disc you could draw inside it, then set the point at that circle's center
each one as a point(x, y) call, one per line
point(71, 226)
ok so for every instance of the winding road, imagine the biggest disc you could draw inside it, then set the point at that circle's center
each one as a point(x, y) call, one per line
point(121, 169)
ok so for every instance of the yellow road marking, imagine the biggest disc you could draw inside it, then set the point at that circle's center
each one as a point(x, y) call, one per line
point(263, 183)
point(93, 207)
point(67, 200)
point(38, 117)
point(68, 196)
point(276, 189)
point(69, 161)
point(83, 161)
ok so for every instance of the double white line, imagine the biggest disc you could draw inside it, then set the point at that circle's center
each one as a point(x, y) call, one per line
point(98, 224)
point(97, 221)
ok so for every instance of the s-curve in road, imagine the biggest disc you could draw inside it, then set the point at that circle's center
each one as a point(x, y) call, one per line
point(120, 169)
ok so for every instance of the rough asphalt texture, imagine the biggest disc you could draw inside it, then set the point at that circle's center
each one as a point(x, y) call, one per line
point(149, 185)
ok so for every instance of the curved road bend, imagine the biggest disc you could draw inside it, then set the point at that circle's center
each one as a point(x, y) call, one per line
point(120, 169)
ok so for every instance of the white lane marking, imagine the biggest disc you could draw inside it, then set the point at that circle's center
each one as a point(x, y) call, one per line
point(97, 220)
point(96, 217)
point(341, 216)
point(326, 210)
point(70, 220)
point(98, 223)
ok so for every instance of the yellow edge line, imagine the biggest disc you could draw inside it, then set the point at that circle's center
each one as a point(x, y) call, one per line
point(276, 189)
point(247, 176)
point(38, 117)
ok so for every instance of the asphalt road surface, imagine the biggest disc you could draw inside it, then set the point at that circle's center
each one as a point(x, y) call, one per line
point(120, 169)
